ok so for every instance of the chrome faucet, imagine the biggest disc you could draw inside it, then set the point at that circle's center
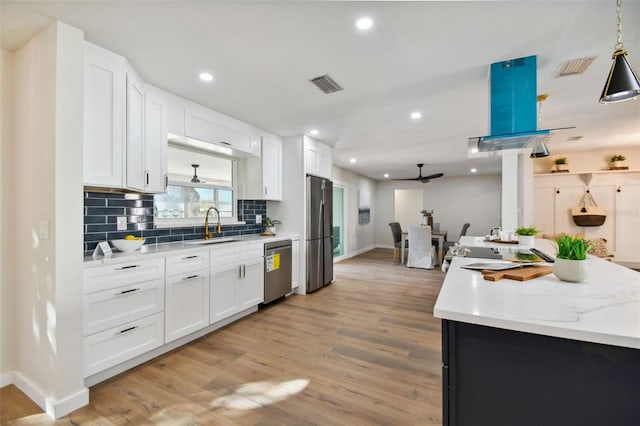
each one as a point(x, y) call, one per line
point(208, 234)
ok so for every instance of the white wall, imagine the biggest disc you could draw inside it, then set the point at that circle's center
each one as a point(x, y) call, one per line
point(359, 238)
point(7, 194)
point(455, 200)
point(48, 272)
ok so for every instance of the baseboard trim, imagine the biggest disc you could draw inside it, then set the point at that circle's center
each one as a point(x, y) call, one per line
point(6, 379)
point(54, 408)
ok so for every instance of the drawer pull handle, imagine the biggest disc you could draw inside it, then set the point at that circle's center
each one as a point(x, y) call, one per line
point(127, 267)
point(127, 329)
point(190, 277)
point(190, 257)
point(127, 291)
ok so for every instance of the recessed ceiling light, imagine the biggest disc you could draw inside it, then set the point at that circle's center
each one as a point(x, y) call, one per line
point(314, 132)
point(205, 76)
point(416, 115)
point(474, 150)
point(353, 160)
point(364, 23)
point(474, 170)
point(386, 175)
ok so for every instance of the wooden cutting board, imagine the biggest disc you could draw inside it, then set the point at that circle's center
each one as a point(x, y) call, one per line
point(519, 274)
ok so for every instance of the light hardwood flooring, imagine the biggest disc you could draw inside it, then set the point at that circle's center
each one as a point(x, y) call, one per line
point(362, 351)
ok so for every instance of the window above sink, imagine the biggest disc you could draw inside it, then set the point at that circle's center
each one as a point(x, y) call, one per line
point(192, 190)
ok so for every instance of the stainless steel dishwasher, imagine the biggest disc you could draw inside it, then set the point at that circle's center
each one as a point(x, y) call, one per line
point(277, 270)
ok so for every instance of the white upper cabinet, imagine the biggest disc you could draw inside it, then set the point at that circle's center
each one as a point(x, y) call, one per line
point(104, 117)
point(261, 178)
point(209, 126)
point(136, 171)
point(317, 158)
point(155, 149)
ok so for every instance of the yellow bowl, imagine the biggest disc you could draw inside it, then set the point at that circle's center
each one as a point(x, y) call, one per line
point(127, 245)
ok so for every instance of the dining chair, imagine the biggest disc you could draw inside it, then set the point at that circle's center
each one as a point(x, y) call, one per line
point(449, 244)
point(422, 254)
point(396, 231)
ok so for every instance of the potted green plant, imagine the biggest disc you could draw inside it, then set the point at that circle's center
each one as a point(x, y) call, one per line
point(525, 234)
point(570, 264)
point(616, 160)
point(561, 164)
point(270, 225)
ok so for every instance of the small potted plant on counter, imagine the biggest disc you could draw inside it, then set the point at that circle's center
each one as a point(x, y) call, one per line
point(561, 164)
point(617, 162)
point(570, 264)
point(270, 226)
point(526, 234)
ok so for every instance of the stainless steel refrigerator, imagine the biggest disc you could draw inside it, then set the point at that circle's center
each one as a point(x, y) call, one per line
point(319, 233)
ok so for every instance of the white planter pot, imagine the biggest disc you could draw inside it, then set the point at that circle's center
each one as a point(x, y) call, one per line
point(270, 230)
point(574, 271)
point(525, 240)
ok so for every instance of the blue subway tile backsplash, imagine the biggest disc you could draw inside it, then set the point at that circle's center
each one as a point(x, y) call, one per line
point(101, 210)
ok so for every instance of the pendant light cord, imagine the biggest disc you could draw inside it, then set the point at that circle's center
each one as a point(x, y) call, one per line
point(619, 39)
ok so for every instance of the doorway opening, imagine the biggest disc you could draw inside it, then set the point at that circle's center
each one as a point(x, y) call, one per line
point(338, 220)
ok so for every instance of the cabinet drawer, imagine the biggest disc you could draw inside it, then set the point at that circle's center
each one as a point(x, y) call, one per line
point(224, 256)
point(114, 346)
point(121, 274)
point(187, 262)
point(110, 308)
point(252, 251)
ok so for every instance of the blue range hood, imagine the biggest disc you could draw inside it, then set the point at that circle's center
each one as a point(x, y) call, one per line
point(513, 112)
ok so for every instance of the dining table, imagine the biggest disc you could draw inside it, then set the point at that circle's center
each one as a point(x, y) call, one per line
point(437, 237)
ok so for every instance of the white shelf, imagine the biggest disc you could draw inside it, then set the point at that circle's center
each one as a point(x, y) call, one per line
point(593, 172)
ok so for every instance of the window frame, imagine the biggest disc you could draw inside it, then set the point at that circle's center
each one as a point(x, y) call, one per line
point(165, 222)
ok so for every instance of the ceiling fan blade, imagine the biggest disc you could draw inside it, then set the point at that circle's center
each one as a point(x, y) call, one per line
point(436, 175)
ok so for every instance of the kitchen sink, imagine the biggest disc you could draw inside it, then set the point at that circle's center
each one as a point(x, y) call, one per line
point(211, 241)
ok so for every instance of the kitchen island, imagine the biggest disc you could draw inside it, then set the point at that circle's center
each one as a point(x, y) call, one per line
point(540, 352)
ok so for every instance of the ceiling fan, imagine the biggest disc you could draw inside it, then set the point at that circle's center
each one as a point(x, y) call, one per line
point(423, 179)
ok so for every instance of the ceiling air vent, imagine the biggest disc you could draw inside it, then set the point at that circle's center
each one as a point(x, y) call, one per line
point(326, 84)
point(574, 67)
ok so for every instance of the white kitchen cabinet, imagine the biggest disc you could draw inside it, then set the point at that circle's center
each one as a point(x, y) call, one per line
point(295, 263)
point(135, 162)
point(104, 117)
point(119, 344)
point(209, 126)
point(187, 304)
point(317, 158)
point(123, 308)
point(155, 142)
point(627, 223)
point(261, 178)
point(237, 279)
point(187, 294)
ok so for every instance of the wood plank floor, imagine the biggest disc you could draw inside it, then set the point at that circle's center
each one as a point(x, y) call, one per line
point(362, 351)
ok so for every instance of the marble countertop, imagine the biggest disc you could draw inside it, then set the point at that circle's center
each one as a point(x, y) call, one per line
point(151, 251)
point(603, 309)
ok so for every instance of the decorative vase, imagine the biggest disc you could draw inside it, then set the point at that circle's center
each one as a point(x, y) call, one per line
point(574, 271)
point(525, 240)
point(270, 230)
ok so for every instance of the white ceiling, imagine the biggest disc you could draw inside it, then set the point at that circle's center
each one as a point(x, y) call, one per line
point(431, 57)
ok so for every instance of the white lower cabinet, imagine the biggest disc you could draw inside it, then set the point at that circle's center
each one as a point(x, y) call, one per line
point(115, 345)
point(187, 294)
point(237, 279)
point(123, 312)
point(131, 308)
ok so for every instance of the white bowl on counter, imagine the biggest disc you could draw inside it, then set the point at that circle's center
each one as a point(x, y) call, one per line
point(127, 245)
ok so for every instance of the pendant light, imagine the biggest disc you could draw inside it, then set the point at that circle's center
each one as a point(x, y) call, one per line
point(540, 150)
point(195, 178)
point(622, 83)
